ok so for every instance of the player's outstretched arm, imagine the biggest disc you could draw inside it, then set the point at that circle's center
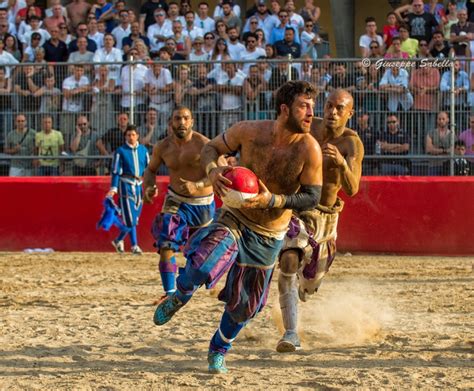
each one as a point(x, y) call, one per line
point(150, 190)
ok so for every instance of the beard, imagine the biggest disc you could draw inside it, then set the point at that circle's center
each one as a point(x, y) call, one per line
point(294, 125)
point(181, 132)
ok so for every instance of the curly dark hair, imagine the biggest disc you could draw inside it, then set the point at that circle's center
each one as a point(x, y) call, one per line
point(288, 92)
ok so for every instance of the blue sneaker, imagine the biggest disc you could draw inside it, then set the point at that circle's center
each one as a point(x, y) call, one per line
point(216, 362)
point(167, 307)
point(288, 343)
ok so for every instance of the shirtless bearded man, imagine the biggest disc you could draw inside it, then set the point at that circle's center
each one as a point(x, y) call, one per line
point(310, 244)
point(247, 241)
point(189, 203)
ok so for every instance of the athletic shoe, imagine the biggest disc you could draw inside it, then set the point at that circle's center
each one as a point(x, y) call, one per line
point(288, 343)
point(137, 250)
point(216, 362)
point(167, 307)
point(119, 246)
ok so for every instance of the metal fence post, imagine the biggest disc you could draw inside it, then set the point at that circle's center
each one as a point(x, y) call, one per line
point(290, 58)
point(452, 119)
point(132, 92)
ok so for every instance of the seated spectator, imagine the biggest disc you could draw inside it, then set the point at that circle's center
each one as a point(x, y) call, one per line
point(57, 18)
point(49, 143)
point(190, 29)
point(261, 40)
point(439, 142)
point(11, 46)
point(375, 50)
point(423, 49)
point(221, 30)
point(252, 27)
point(295, 20)
point(114, 137)
point(34, 27)
point(173, 13)
point(288, 45)
point(82, 55)
point(6, 59)
point(251, 53)
point(369, 36)
point(128, 41)
point(369, 138)
point(390, 30)
point(122, 30)
point(77, 11)
point(311, 13)
point(440, 48)
point(183, 42)
point(6, 27)
point(220, 53)
point(270, 52)
point(394, 142)
point(341, 79)
point(64, 35)
point(94, 33)
point(104, 11)
point(274, 20)
point(255, 88)
point(395, 83)
point(309, 39)
point(197, 52)
point(23, 12)
point(55, 49)
point(110, 54)
point(203, 21)
point(75, 89)
point(83, 145)
point(396, 49)
point(219, 11)
point(230, 85)
point(147, 13)
point(21, 142)
point(142, 50)
point(159, 32)
point(461, 167)
point(467, 136)
point(408, 45)
point(82, 31)
point(29, 52)
point(462, 33)
point(450, 19)
point(235, 47)
point(278, 32)
point(259, 11)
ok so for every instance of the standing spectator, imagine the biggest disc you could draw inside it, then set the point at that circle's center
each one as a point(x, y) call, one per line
point(273, 21)
point(183, 42)
point(288, 45)
point(77, 11)
point(183, 86)
point(110, 54)
point(203, 21)
point(280, 76)
point(55, 19)
point(221, 30)
point(408, 45)
point(102, 106)
point(122, 30)
point(49, 143)
point(341, 79)
point(81, 55)
point(6, 59)
point(173, 13)
point(197, 52)
point(461, 88)
point(219, 10)
point(82, 31)
point(253, 26)
point(311, 13)
point(295, 20)
point(261, 15)
point(369, 36)
point(278, 32)
point(11, 46)
point(437, 143)
point(34, 27)
point(255, 87)
point(439, 48)
point(159, 87)
point(190, 29)
point(220, 53)
point(394, 141)
point(94, 33)
point(55, 50)
point(424, 84)
point(147, 13)
point(25, 83)
point(369, 138)
point(235, 47)
point(395, 83)
point(22, 13)
point(128, 41)
point(450, 19)
point(467, 137)
point(108, 143)
point(209, 43)
point(21, 141)
point(158, 32)
point(251, 53)
point(50, 98)
point(74, 89)
point(64, 35)
point(29, 53)
point(103, 12)
point(230, 85)
point(83, 145)
point(150, 132)
point(206, 101)
point(462, 33)
point(390, 30)
point(421, 23)
point(5, 104)
point(309, 39)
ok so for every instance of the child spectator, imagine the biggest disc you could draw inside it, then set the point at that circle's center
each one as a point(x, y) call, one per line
point(390, 30)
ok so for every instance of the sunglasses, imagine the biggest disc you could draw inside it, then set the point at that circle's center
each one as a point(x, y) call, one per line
point(309, 25)
point(391, 122)
point(374, 47)
point(209, 38)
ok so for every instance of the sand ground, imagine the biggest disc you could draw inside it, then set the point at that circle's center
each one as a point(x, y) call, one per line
point(83, 321)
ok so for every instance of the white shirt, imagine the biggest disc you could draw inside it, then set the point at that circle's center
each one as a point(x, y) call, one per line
point(297, 22)
point(120, 33)
point(206, 25)
point(139, 73)
point(115, 55)
point(27, 36)
point(305, 40)
point(270, 23)
point(201, 57)
point(5, 59)
point(98, 38)
point(235, 50)
point(74, 104)
point(248, 56)
point(193, 33)
point(163, 79)
point(365, 40)
point(231, 101)
point(154, 30)
point(219, 12)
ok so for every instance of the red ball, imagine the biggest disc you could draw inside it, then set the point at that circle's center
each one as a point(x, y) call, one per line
point(243, 180)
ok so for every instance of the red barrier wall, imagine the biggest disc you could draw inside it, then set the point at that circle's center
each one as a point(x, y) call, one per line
point(417, 215)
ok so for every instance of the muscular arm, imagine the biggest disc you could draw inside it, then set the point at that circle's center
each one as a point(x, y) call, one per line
point(149, 177)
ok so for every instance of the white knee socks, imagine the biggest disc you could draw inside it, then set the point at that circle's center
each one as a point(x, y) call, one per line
point(287, 286)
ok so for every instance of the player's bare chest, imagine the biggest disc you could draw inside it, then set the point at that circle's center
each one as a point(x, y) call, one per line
point(182, 157)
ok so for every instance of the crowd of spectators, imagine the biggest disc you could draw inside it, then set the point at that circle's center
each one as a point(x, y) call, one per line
point(234, 62)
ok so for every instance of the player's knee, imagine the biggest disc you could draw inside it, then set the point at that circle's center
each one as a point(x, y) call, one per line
point(289, 261)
